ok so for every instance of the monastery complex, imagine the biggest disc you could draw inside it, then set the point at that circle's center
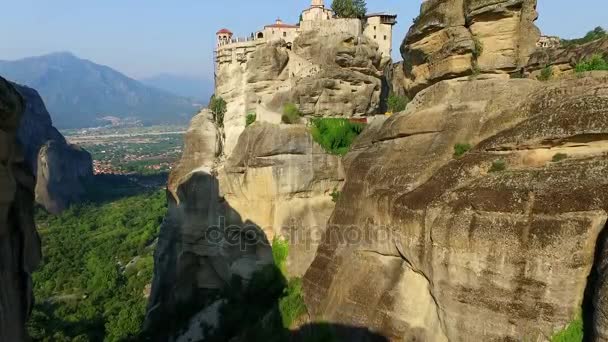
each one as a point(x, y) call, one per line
point(376, 26)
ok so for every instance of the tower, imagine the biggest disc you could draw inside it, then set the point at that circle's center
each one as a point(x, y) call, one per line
point(224, 36)
point(318, 3)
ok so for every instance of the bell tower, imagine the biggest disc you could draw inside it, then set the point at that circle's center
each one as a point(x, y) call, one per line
point(318, 3)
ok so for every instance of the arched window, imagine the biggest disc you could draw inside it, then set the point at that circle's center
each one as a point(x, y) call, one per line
point(260, 35)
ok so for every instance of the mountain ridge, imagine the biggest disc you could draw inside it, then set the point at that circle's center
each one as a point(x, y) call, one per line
point(79, 92)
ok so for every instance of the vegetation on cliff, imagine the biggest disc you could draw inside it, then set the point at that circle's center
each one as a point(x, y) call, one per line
point(264, 308)
point(291, 114)
point(335, 135)
point(218, 108)
point(397, 103)
point(595, 62)
point(595, 34)
point(572, 333)
point(97, 264)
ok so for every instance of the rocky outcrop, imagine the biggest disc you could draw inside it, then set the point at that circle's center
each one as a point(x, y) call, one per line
point(498, 244)
point(19, 242)
point(453, 38)
point(224, 212)
point(563, 60)
point(61, 169)
point(324, 74)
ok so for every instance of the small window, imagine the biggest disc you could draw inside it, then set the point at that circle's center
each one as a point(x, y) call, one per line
point(384, 37)
point(284, 34)
point(374, 28)
point(374, 36)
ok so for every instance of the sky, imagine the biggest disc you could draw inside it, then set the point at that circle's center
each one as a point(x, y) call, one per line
point(143, 38)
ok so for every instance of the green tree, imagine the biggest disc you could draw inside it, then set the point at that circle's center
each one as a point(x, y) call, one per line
point(592, 35)
point(397, 103)
point(349, 8)
point(217, 105)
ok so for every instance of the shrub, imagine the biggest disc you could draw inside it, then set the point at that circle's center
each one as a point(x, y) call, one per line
point(475, 71)
point(595, 62)
point(478, 47)
point(559, 157)
point(498, 165)
point(546, 73)
point(291, 114)
point(572, 333)
point(292, 306)
point(280, 251)
point(397, 103)
point(349, 8)
point(335, 195)
point(461, 149)
point(335, 135)
point(251, 117)
point(217, 105)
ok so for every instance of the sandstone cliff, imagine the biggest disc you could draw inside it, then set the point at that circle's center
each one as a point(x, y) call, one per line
point(453, 38)
point(224, 213)
point(324, 74)
point(563, 60)
point(60, 168)
point(495, 245)
point(19, 242)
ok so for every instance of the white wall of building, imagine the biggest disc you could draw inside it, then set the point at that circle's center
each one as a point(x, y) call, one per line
point(381, 34)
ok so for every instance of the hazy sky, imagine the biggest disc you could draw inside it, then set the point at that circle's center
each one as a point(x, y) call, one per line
point(146, 37)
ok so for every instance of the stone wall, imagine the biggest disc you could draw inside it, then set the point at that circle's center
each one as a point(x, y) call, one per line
point(353, 27)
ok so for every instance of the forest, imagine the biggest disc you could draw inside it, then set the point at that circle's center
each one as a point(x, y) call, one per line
point(97, 269)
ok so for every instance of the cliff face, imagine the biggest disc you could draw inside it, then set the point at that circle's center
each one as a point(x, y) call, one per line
point(324, 74)
point(225, 211)
point(19, 242)
point(495, 245)
point(563, 60)
point(60, 168)
point(453, 38)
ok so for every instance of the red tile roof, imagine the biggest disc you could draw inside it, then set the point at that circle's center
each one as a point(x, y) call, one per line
point(224, 31)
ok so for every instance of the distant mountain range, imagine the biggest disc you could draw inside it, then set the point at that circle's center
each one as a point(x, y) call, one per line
point(197, 88)
point(78, 92)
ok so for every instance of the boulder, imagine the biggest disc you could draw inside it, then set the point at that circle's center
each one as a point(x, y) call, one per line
point(503, 243)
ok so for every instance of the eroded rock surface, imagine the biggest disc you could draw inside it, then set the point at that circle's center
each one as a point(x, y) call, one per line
point(453, 38)
point(563, 60)
point(19, 242)
point(61, 169)
point(224, 213)
point(447, 249)
point(324, 74)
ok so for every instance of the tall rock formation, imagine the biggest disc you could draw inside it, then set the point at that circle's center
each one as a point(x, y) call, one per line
point(224, 211)
point(498, 244)
point(324, 73)
point(453, 38)
point(19, 242)
point(61, 169)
